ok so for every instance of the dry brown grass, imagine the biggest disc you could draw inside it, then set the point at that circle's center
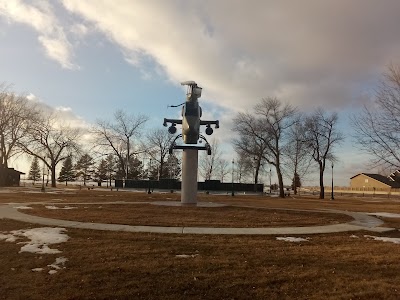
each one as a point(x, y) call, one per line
point(147, 214)
point(112, 265)
point(117, 265)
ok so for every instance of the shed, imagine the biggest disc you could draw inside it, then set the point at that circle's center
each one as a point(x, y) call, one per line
point(371, 181)
point(11, 177)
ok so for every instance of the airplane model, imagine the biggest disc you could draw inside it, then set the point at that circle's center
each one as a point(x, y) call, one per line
point(191, 122)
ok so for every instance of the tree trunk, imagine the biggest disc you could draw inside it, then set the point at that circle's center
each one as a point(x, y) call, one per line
point(2, 176)
point(53, 175)
point(256, 177)
point(321, 183)
point(280, 181)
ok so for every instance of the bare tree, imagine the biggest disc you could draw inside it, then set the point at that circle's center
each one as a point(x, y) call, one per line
point(223, 169)
point(158, 143)
point(244, 166)
point(50, 141)
point(251, 141)
point(208, 164)
point(377, 128)
point(118, 137)
point(16, 116)
point(297, 154)
point(267, 126)
point(321, 136)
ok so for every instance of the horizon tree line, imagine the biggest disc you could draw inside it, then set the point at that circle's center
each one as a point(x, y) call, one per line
point(272, 133)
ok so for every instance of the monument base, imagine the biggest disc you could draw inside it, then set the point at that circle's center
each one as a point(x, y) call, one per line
point(189, 176)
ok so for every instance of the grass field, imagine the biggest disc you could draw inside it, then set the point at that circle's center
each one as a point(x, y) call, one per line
point(120, 265)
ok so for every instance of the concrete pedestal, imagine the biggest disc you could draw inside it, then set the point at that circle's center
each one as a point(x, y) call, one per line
point(189, 176)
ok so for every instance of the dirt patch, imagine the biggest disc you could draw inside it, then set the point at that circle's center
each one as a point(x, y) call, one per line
point(156, 215)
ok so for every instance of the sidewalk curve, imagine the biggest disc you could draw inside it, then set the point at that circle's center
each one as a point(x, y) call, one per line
point(361, 222)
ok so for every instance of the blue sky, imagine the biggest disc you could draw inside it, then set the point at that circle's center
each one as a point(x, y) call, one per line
point(91, 57)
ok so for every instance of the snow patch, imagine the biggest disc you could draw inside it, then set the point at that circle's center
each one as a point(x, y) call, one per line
point(55, 207)
point(385, 215)
point(23, 207)
point(292, 239)
point(59, 261)
point(354, 236)
point(185, 255)
point(40, 239)
point(8, 237)
point(37, 269)
point(384, 239)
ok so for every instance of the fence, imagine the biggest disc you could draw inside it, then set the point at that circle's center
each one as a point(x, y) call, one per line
point(172, 184)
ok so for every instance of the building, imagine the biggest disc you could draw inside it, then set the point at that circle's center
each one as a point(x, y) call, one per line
point(10, 177)
point(372, 182)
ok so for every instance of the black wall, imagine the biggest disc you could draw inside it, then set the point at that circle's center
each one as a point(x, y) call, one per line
point(172, 184)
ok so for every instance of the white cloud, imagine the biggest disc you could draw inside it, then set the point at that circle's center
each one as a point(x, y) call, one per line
point(80, 30)
point(64, 109)
point(31, 97)
point(308, 53)
point(40, 16)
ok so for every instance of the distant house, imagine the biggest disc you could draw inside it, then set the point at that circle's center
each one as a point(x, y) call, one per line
point(11, 177)
point(369, 181)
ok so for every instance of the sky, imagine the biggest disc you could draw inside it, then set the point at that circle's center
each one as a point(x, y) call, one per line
point(90, 58)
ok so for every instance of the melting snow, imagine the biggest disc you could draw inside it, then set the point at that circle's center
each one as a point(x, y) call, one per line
point(56, 265)
point(292, 239)
point(385, 214)
point(384, 239)
point(185, 255)
point(37, 269)
point(23, 207)
point(55, 207)
point(40, 238)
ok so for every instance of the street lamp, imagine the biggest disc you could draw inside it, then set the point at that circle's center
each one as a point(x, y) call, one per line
point(270, 175)
point(233, 168)
point(148, 175)
point(332, 197)
point(43, 188)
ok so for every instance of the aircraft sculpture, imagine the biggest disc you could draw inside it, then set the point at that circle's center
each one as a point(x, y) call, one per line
point(191, 122)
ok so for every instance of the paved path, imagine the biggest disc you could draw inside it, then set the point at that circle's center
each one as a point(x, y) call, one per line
point(361, 221)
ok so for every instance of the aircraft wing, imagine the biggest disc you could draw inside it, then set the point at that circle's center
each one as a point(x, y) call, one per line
point(172, 121)
point(216, 123)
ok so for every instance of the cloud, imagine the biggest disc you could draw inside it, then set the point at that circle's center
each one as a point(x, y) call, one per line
point(31, 97)
point(40, 16)
point(80, 30)
point(308, 53)
point(62, 115)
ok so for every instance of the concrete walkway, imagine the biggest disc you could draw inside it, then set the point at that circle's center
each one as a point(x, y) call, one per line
point(361, 221)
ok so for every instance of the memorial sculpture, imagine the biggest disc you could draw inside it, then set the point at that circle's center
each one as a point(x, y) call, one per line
point(191, 136)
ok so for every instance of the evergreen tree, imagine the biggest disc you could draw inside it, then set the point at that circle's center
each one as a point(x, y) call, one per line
point(172, 168)
point(101, 171)
point(83, 167)
point(296, 183)
point(120, 171)
point(110, 166)
point(34, 172)
point(135, 168)
point(67, 171)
